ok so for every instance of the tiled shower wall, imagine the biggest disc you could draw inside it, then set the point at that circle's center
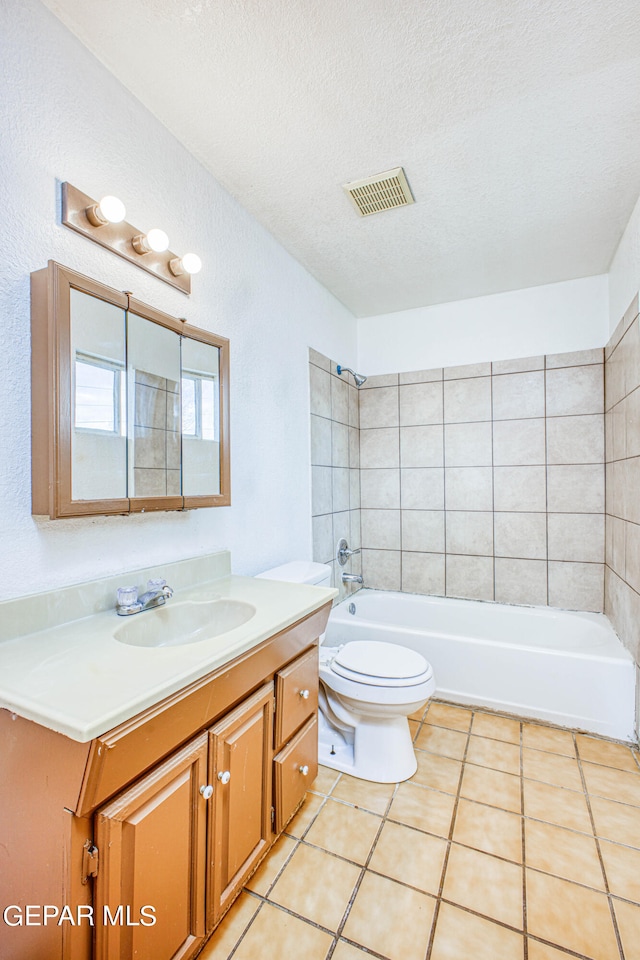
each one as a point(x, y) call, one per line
point(487, 481)
point(622, 404)
point(335, 475)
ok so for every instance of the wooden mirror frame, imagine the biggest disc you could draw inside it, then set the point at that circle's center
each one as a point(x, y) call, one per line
point(51, 400)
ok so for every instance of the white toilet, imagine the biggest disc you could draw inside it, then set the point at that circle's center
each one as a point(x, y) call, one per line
point(367, 691)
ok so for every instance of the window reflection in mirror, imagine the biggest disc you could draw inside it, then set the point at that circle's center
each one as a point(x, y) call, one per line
point(153, 384)
point(98, 437)
point(200, 418)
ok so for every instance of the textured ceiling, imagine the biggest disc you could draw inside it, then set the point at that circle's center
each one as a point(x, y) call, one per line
point(517, 123)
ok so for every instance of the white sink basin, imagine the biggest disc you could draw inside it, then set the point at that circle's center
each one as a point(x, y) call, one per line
point(177, 624)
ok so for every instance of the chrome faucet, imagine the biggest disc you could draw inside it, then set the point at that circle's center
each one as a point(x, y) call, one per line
point(156, 594)
point(352, 578)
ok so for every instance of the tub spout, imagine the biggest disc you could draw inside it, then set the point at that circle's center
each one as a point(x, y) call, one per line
point(351, 578)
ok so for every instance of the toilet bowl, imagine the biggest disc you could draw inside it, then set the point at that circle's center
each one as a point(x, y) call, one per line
point(368, 689)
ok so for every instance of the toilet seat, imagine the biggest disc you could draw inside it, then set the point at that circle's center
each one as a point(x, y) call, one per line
point(380, 664)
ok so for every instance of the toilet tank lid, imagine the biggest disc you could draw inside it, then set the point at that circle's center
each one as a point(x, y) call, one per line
point(299, 571)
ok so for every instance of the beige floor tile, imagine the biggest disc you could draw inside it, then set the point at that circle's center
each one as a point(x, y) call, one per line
point(298, 824)
point(548, 738)
point(498, 728)
point(423, 808)
point(345, 951)
point(622, 867)
point(608, 754)
point(628, 917)
point(448, 743)
point(541, 951)
point(271, 865)
point(414, 726)
point(495, 754)
point(549, 768)
point(410, 857)
point(612, 784)
point(619, 822)
point(571, 916)
point(393, 920)
point(461, 936)
point(484, 884)
point(440, 773)
point(563, 853)
point(362, 793)
point(485, 828)
point(418, 714)
point(231, 929)
point(566, 808)
point(442, 715)
point(344, 830)
point(275, 933)
point(491, 786)
point(316, 885)
point(325, 781)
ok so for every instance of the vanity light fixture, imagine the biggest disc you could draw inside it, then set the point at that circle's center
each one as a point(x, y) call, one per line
point(103, 222)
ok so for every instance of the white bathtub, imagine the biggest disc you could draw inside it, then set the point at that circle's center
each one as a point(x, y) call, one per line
point(567, 668)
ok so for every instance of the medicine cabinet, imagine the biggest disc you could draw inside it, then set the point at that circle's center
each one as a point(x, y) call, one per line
point(130, 407)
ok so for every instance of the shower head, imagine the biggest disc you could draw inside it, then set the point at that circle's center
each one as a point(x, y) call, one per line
point(356, 376)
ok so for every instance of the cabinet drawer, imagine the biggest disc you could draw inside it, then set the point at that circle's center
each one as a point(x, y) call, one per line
point(296, 695)
point(290, 781)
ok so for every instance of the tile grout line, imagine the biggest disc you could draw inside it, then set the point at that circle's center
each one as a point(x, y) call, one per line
point(524, 848)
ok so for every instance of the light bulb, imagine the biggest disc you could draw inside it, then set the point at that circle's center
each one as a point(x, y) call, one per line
point(190, 263)
point(109, 210)
point(155, 240)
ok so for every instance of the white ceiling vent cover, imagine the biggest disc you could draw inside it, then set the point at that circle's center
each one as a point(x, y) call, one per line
point(382, 192)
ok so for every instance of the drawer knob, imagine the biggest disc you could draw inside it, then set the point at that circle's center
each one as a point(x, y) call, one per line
point(224, 777)
point(207, 791)
point(304, 694)
point(304, 770)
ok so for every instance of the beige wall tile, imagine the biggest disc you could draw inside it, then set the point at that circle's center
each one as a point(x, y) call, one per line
point(576, 586)
point(380, 529)
point(323, 545)
point(521, 581)
point(380, 447)
point(519, 488)
point(522, 365)
point(423, 573)
point(575, 358)
point(468, 488)
point(354, 489)
point(575, 390)
point(340, 488)
point(354, 407)
point(467, 400)
point(518, 395)
point(631, 412)
point(423, 531)
point(380, 380)
point(339, 444)
point(577, 487)
point(575, 439)
point(421, 403)
point(470, 577)
point(381, 569)
point(421, 446)
point(149, 483)
point(320, 441)
point(379, 408)
point(319, 359)
point(521, 535)
point(421, 376)
point(380, 488)
point(632, 554)
point(150, 448)
point(468, 444)
point(354, 447)
point(469, 532)
point(422, 489)
point(518, 442)
point(576, 536)
point(339, 400)
point(467, 370)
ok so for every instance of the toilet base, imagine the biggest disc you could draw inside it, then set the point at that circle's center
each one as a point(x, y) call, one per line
point(376, 750)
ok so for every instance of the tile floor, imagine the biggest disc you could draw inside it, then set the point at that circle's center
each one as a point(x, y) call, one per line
point(512, 841)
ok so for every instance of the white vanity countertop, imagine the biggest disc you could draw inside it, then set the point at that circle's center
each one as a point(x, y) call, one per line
point(77, 679)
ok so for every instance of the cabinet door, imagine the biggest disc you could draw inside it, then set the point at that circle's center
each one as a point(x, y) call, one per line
point(240, 756)
point(152, 848)
point(296, 695)
point(294, 769)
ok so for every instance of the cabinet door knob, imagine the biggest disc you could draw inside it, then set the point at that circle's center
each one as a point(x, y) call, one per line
point(207, 791)
point(304, 770)
point(224, 777)
point(304, 694)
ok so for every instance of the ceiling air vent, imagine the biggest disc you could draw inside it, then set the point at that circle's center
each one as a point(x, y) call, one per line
point(385, 190)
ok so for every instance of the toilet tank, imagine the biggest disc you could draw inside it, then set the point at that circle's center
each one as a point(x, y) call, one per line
point(300, 571)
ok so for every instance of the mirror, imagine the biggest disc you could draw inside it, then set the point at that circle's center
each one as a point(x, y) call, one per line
point(129, 405)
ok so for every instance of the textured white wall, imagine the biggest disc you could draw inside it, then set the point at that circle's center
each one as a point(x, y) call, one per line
point(64, 117)
point(624, 272)
point(554, 318)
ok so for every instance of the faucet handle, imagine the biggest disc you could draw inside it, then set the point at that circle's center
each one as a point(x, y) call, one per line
point(127, 596)
point(156, 584)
